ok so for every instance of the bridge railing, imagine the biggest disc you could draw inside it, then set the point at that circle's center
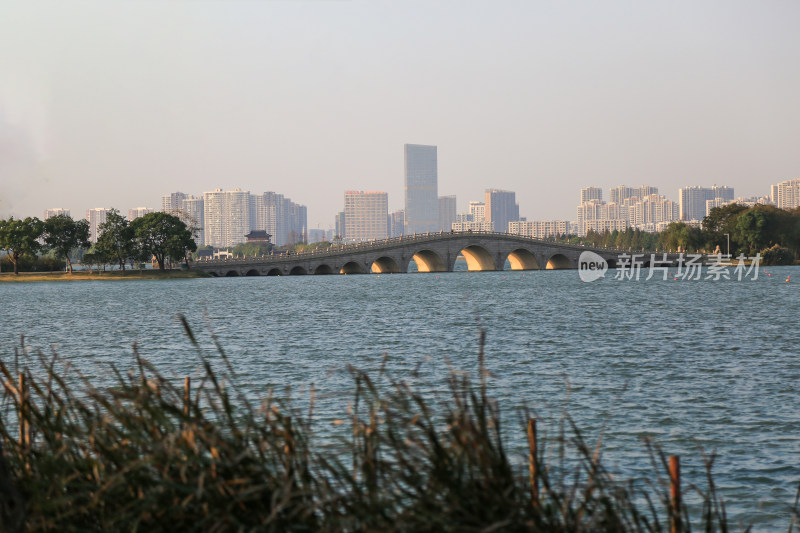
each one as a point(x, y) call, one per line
point(346, 249)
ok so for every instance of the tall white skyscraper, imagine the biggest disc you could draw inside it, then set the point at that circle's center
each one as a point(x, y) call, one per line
point(447, 212)
point(501, 208)
point(226, 217)
point(95, 217)
point(366, 215)
point(421, 188)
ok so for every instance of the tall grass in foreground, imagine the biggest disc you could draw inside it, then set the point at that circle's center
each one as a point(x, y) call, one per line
point(148, 454)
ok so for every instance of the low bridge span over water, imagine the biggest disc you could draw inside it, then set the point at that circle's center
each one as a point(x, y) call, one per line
point(432, 252)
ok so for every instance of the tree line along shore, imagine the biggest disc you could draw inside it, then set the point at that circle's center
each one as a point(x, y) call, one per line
point(52, 245)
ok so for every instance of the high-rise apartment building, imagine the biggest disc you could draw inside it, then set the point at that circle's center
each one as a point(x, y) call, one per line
point(54, 212)
point(421, 189)
point(619, 194)
point(447, 212)
point(194, 217)
point(137, 212)
point(786, 194)
point(96, 217)
point(226, 217)
point(397, 223)
point(366, 215)
point(692, 200)
point(284, 220)
point(340, 226)
point(591, 193)
point(172, 203)
point(652, 210)
point(501, 208)
point(298, 225)
point(478, 211)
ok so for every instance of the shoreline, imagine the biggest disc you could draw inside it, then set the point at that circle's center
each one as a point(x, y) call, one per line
point(109, 275)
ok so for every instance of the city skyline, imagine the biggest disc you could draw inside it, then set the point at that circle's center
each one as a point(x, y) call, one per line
point(279, 220)
point(315, 99)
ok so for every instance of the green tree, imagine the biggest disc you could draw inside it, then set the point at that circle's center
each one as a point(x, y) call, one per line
point(163, 236)
point(251, 249)
point(20, 237)
point(63, 235)
point(719, 222)
point(753, 230)
point(777, 255)
point(116, 242)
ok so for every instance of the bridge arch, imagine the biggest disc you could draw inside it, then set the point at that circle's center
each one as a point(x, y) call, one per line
point(253, 272)
point(298, 271)
point(323, 269)
point(351, 267)
point(429, 261)
point(385, 265)
point(522, 259)
point(274, 272)
point(612, 263)
point(231, 274)
point(478, 258)
point(558, 262)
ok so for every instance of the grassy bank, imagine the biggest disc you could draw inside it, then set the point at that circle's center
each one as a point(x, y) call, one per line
point(85, 275)
point(150, 454)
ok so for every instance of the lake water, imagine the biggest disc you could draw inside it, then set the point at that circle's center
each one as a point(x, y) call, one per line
point(696, 365)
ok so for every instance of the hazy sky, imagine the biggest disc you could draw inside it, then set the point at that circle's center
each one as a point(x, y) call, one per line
point(113, 103)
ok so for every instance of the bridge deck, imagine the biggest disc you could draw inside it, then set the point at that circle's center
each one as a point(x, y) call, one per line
point(433, 252)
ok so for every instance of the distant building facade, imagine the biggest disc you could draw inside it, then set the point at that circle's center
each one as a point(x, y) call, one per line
point(786, 194)
point(484, 225)
point(447, 212)
point(170, 203)
point(137, 212)
point(279, 216)
point(539, 229)
point(618, 195)
point(55, 212)
point(591, 193)
point(501, 208)
point(478, 211)
point(226, 217)
point(421, 189)
point(397, 223)
point(95, 217)
point(194, 217)
point(692, 200)
point(340, 226)
point(366, 215)
point(317, 235)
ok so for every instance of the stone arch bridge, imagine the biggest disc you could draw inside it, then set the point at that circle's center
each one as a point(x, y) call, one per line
point(432, 252)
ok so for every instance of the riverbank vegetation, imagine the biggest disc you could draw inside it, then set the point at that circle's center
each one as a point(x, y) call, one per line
point(751, 230)
point(151, 454)
point(30, 243)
